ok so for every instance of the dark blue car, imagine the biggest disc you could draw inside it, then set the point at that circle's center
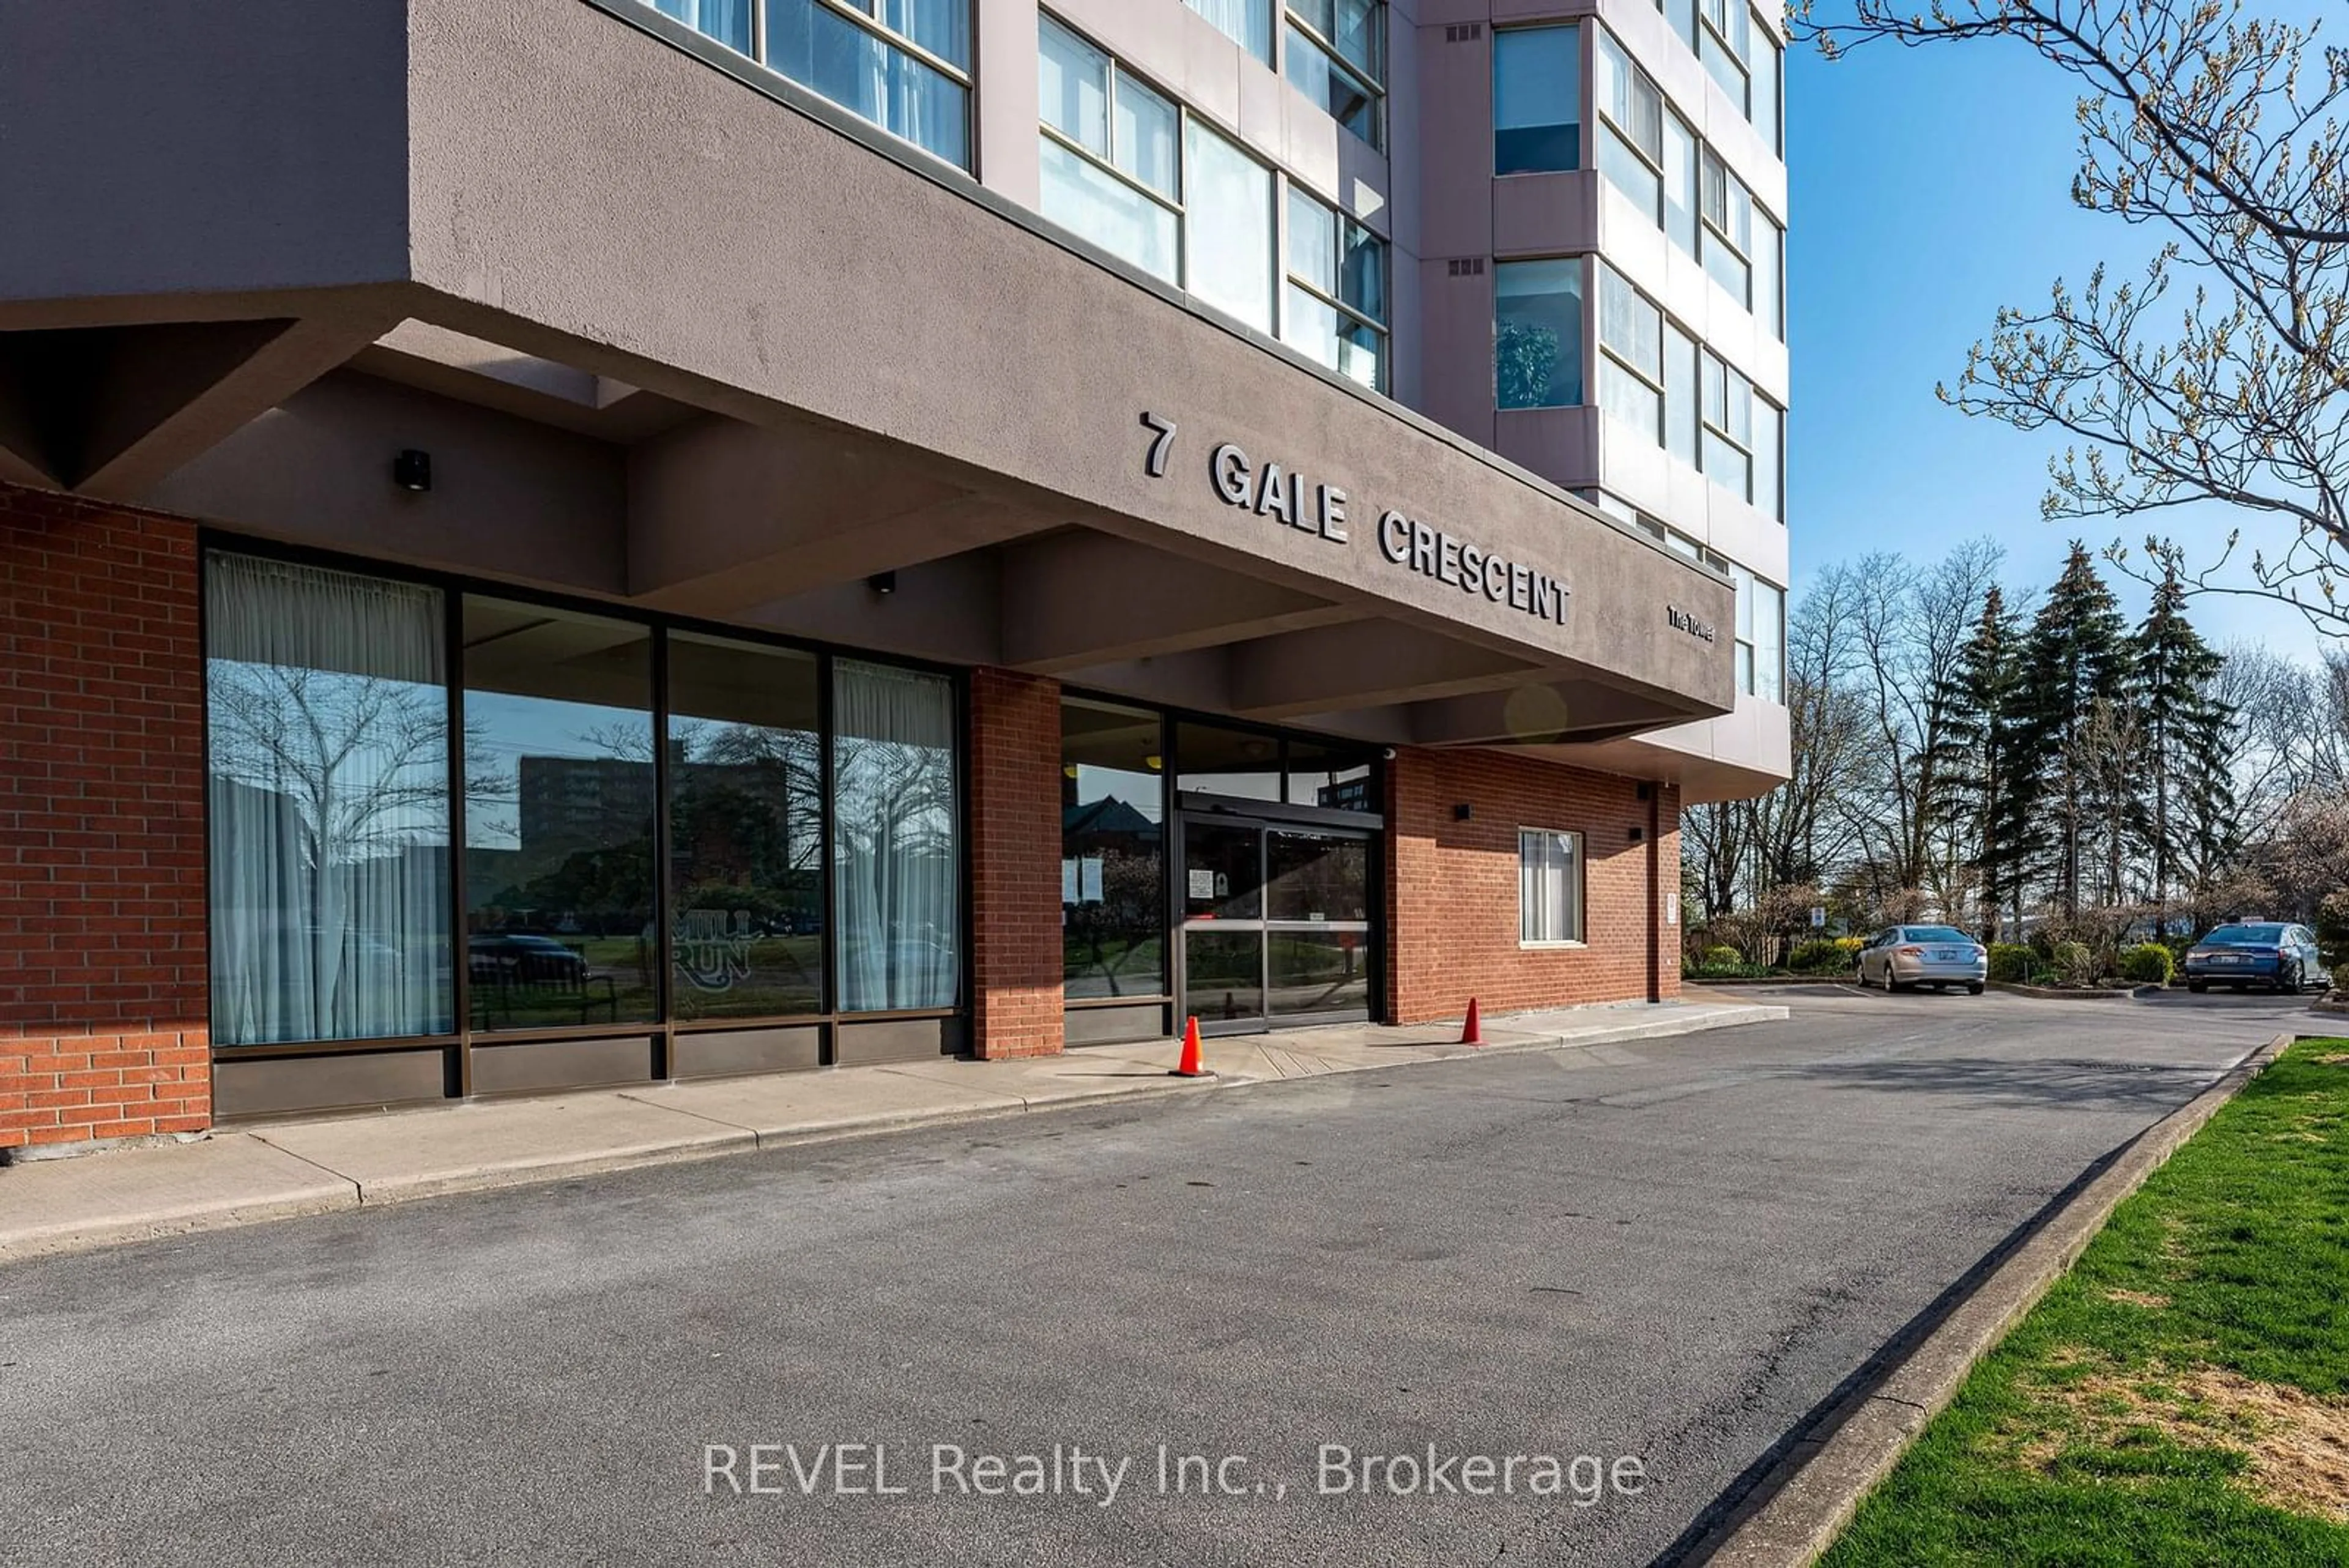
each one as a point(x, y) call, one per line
point(2246, 953)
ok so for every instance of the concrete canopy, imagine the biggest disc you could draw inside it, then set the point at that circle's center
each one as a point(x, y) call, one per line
point(673, 340)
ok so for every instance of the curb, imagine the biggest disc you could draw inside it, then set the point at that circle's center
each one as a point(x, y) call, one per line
point(329, 1190)
point(1796, 1510)
point(2051, 993)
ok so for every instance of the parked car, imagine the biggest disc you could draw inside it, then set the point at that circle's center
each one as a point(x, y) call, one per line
point(2243, 953)
point(523, 956)
point(1899, 957)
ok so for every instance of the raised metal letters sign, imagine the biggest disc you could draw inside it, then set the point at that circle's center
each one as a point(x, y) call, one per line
point(1690, 624)
point(1282, 493)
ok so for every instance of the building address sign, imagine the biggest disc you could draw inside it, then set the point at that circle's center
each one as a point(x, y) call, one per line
point(1286, 496)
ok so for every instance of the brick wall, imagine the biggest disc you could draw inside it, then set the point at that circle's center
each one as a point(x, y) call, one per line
point(1452, 896)
point(103, 1029)
point(1015, 818)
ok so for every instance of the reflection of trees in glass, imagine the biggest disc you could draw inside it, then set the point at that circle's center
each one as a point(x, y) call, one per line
point(1526, 357)
point(893, 818)
point(746, 843)
point(364, 760)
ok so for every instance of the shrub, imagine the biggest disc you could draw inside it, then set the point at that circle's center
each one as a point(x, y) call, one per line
point(1823, 955)
point(1721, 958)
point(2332, 931)
point(2009, 961)
point(2147, 963)
point(2076, 963)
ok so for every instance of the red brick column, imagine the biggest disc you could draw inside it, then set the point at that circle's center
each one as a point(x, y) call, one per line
point(104, 1030)
point(1451, 894)
point(1015, 861)
point(1667, 880)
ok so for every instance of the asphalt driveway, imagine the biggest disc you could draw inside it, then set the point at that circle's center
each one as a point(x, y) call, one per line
point(1662, 1253)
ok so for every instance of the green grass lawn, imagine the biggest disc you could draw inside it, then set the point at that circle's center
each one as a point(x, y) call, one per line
point(2181, 1396)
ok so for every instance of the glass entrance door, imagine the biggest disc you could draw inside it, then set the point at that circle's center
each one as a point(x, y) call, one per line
point(1276, 924)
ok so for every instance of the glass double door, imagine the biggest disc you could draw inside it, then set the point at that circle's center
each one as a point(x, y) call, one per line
point(1275, 923)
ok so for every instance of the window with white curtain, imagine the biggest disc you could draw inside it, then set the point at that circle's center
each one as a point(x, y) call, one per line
point(328, 725)
point(896, 857)
point(1247, 23)
point(1108, 153)
point(1728, 213)
point(728, 20)
point(1227, 235)
point(1728, 401)
point(904, 65)
point(1549, 887)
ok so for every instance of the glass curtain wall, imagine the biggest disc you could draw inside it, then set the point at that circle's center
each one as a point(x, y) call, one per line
point(649, 818)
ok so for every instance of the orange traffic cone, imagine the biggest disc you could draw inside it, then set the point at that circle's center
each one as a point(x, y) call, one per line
point(1472, 1032)
point(1190, 1067)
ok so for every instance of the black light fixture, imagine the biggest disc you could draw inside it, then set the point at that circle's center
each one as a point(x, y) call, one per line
point(1463, 812)
point(1643, 792)
point(882, 582)
point(413, 470)
point(1637, 834)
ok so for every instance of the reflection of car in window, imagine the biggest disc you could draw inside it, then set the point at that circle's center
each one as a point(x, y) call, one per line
point(527, 956)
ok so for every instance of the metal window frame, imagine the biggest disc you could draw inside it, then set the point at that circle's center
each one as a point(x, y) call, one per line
point(1178, 203)
point(662, 1029)
point(1374, 86)
point(1342, 221)
point(1580, 938)
point(1582, 80)
point(1376, 80)
point(964, 77)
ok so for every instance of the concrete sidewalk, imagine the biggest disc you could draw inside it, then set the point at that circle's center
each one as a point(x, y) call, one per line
point(275, 1170)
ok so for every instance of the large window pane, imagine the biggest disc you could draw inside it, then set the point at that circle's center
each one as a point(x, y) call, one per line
point(823, 50)
point(1228, 234)
point(1629, 325)
point(1536, 114)
point(1238, 763)
point(1247, 23)
point(745, 831)
point(1767, 64)
point(1680, 395)
point(1112, 850)
point(1335, 777)
point(1148, 145)
point(1769, 436)
point(728, 20)
point(1337, 340)
point(1549, 887)
point(1091, 202)
point(1357, 28)
point(1769, 291)
point(328, 787)
point(1770, 643)
point(1348, 99)
point(1679, 182)
point(941, 27)
point(559, 808)
point(897, 919)
point(1073, 83)
point(1312, 241)
point(1538, 334)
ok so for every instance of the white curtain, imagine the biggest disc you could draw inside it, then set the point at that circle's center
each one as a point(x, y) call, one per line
point(329, 720)
point(897, 919)
point(1247, 23)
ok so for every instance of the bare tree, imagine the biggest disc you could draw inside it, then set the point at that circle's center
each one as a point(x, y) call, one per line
point(2222, 374)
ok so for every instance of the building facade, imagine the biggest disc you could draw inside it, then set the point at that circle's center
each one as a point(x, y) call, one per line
point(587, 542)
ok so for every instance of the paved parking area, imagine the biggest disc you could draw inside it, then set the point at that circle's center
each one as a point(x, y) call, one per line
point(1658, 1251)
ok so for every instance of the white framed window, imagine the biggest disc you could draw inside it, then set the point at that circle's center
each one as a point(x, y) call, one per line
point(1725, 42)
point(1769, 274)
point(1335, 53)
point(1761, 635)
point(1227, 230)
point(1336, 304)
point(1728, 403)
point(1768, 61)
point(1550, 888)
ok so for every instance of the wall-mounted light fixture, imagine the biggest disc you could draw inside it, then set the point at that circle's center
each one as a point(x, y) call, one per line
point(1463, 812)
point(1637, 834)
point(413, 470)
point(882, 582)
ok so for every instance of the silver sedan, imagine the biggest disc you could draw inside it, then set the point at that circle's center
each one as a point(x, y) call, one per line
point(1899, 957)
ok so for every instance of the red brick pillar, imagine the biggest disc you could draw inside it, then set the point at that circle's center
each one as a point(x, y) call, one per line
point(104, 1016)
point(1015, 864)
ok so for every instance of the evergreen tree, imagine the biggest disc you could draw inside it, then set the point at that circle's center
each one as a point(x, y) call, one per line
point(2190, 795)
point(1979, 698)
point(2077, 655)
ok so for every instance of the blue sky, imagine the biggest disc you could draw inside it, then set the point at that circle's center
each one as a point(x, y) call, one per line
point(1930, 187)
